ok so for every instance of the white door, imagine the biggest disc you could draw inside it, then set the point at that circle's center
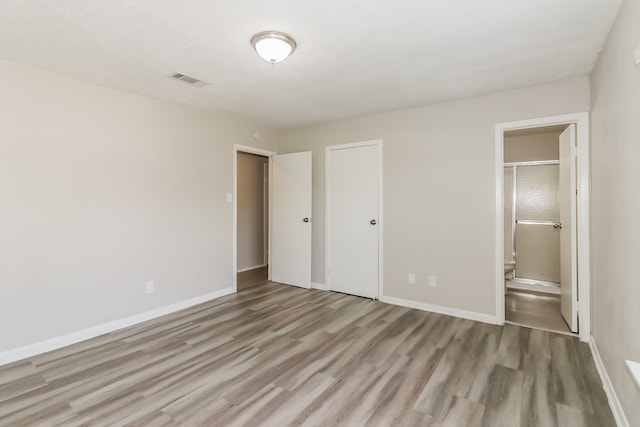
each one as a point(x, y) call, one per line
point(352, 220)
point(291, 219)
point(568, 232)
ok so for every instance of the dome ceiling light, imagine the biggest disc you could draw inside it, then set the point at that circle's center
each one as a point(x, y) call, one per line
point(273, 46)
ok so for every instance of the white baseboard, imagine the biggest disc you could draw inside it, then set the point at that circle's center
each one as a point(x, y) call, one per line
point(34, 349)
point(319, 286)
point(612, 397)
point(242, 270)
point(471, 315)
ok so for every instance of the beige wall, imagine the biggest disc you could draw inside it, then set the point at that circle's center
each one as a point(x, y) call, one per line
point(439, 188)
point(615, 147)
point(527, 148)
point(251, 212)
point(102, 191)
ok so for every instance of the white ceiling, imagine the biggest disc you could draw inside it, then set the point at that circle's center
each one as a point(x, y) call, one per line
point(354, 57)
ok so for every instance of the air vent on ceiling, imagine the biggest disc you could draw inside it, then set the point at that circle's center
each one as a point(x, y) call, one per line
point(192, 81)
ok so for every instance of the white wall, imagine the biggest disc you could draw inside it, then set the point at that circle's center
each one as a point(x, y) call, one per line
point(101, 191)
point(615, 208)
point(439, 188)
point(251, 212)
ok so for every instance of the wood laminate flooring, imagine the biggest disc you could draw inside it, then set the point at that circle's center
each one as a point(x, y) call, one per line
point(274, 355)
point(250, 278)
point(535, 310)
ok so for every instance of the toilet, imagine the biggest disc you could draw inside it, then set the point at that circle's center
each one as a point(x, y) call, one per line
point(509, 267)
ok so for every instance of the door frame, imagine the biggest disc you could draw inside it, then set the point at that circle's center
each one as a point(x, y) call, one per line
point(328, 149)
point(260, 152)
point(581, 120)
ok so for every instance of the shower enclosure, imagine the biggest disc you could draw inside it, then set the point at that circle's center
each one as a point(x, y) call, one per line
point(532, 221)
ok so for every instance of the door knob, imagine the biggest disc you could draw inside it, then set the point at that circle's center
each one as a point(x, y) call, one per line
point(373, 222)
point(305, 219)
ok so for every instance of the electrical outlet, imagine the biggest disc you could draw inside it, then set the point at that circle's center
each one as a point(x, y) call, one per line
point(229, 198)
point(432, 281)
point(151, 287)
point(412, 279)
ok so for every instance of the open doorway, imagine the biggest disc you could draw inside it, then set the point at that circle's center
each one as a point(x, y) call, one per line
point(283, 214)
point(251, 211)
point(532, 228)
point(252, 219)
point(542, 228)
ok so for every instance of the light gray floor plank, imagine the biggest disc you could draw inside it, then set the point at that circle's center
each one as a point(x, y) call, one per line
point(274, 355)
point(503, 402)
point(535, 310)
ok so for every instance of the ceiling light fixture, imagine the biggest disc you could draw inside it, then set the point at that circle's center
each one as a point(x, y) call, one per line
point(273, 46)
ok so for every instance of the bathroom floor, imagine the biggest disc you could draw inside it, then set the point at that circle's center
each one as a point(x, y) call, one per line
point(251, 278)
point(535, 310)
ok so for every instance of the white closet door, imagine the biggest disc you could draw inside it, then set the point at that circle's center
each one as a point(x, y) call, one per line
point(291, 219)
point(568, 233)
point(353, 191)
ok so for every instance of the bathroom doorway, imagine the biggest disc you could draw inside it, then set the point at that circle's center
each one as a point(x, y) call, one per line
point(532, 228)
point(539, 223)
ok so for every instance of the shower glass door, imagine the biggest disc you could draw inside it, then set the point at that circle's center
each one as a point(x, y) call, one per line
point(537, 233)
